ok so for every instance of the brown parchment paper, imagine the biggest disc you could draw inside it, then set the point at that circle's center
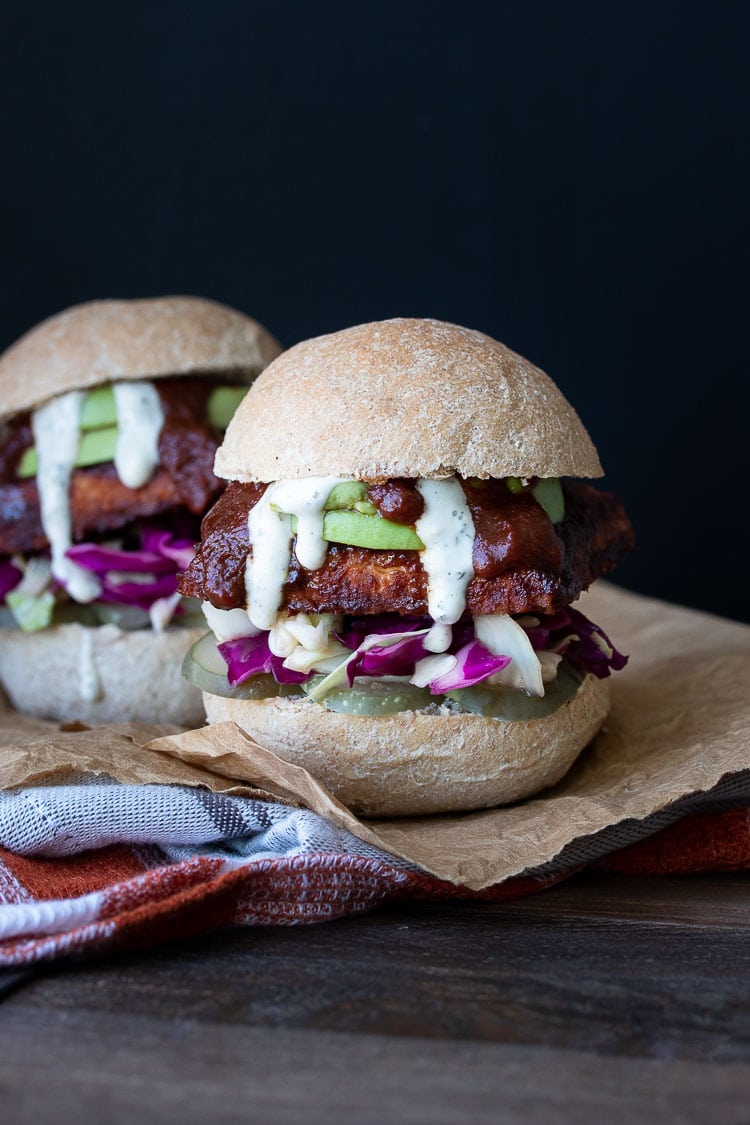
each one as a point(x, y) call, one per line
point(34, 752)
point(679, 724)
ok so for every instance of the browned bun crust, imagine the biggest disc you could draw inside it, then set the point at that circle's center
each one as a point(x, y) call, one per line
point(417, 762)
point(135, 675)
point(404, 398)
point(107, 341)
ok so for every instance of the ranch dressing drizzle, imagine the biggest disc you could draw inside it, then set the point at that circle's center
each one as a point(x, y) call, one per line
point(270, 529)
point(447, 531)
point(56, 428)
point(139, 421)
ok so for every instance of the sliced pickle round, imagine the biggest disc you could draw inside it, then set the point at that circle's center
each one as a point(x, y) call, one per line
point(204, 667)
point(374, 697)
point(513, 705)
point(123, 616)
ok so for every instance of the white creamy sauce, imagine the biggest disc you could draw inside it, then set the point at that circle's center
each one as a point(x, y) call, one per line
point(270, 529)
point(438, 638)
point(161, 612)
point(139, 422)
point(447, 531)
point(56, 429)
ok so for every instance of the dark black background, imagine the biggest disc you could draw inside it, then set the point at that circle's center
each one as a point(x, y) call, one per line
point(569, 177)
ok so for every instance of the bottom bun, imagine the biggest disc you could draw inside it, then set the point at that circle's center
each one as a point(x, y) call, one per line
point(416, 762)
point(100, 674)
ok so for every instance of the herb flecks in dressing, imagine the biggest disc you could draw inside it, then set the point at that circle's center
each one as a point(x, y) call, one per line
point(447, 531)
point(139, 422)
point(270, 531)
point(56, 430)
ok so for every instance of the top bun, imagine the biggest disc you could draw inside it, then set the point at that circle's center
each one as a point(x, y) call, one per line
point(110, 341)
point(404, 398)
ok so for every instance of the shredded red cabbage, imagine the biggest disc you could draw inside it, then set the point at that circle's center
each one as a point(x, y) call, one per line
point(583, 643)
point(169, 546)
point(92, 556)
point(141, 594)
point(474, 663)
point(10, 576)
point(357, 628)
point(569, 632)
point(160, 559)
point(397, 659)
point(249, 656)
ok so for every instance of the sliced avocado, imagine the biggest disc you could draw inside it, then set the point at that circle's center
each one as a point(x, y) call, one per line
point(515, 485)
point(222, 403)
point(359, 530)
point(347, 494)
point(99, 409)
point(549, 495)
point(94, 448)
point(350, 518)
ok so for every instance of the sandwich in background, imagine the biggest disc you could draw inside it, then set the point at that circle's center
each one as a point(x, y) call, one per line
point(110, 416)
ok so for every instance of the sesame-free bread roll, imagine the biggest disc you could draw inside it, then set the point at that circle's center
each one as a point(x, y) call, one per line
point(416, 762)
point(111, 341)
point(404, 398)
point(100, 674)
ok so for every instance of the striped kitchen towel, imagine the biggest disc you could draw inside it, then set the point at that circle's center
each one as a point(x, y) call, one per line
point(98, 867)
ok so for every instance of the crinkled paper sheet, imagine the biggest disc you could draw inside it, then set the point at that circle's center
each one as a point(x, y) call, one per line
point(679, 724)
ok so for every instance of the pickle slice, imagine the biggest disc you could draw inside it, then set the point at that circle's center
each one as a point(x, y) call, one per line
point(203, 666)
point(517, 706)
point(374, 697)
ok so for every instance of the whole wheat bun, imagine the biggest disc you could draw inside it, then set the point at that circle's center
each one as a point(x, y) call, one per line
point(417, 762)
point(130, 676)
point(404, 398)
point(108, 341)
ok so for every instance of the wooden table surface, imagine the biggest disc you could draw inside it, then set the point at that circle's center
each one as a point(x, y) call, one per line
point(605, 999)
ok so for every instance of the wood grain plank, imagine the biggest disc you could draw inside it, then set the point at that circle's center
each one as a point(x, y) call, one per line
point(13, 979)
point(60, 1066)
point(568, 977)
point(692, 900)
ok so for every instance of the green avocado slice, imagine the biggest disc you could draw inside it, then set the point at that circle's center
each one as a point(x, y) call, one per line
point(98, 437)
point(94, 447)
point(548, 494)
point(98, 409)
point(349, 518)
point(358, 530)
point(346, 494)
point(222, 403)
